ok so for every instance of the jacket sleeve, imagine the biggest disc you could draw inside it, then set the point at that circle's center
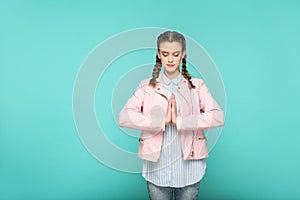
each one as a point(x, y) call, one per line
point(210, 115)
point(132, 115)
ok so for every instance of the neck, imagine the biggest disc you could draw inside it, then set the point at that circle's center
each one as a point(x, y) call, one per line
point(171, 75)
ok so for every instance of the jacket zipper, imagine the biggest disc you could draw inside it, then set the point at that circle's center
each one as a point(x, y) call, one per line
point(192, 154)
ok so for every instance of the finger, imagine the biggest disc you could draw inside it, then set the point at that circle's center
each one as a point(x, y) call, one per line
point(173, 106)
point(170, 104)
point(174, 102)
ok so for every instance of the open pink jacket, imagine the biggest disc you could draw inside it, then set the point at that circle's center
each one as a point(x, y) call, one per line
point(146, 111)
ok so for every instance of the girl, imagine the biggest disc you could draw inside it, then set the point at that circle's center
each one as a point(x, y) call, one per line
point(172, 109)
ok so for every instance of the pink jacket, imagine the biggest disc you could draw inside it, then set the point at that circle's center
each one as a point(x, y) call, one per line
point(146, 111)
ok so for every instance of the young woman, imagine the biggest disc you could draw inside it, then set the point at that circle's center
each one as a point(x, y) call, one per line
point(172, 110)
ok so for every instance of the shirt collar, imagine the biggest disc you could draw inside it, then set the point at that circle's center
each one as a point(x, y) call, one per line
point(167, 81)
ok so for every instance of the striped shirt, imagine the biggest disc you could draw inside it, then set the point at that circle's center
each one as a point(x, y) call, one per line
point(171, 170)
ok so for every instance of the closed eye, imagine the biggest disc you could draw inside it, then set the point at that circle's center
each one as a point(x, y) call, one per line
point(175, 54)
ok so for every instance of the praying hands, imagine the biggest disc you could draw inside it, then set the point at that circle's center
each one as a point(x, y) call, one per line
point(171, 115)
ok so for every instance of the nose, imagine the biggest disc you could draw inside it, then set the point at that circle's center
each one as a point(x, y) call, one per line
point(170, 59)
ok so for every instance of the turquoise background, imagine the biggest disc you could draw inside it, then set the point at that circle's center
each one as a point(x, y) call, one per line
point(255, 45)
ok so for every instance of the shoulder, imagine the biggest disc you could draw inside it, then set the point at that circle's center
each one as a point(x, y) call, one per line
point(145, 82)
point(144, 85)
point(198, 82)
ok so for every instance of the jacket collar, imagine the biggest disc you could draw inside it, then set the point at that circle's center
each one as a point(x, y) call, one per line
point(180, 81)
point(164, 79)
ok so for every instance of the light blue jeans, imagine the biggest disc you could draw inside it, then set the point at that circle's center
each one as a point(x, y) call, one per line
point(189, 192)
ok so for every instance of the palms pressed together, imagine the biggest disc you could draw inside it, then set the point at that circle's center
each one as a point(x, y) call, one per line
point(171, 115)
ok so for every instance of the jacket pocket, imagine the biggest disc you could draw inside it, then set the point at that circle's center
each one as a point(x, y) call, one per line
point(198, 148)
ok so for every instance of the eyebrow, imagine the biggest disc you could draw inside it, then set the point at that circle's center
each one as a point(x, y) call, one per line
point(163, 51)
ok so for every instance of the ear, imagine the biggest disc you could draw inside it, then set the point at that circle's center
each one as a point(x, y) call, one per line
point(158, 54)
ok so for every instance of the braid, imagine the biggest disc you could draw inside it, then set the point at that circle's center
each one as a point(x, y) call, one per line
point(171, 36)
point(155, 73)
point(185, 73)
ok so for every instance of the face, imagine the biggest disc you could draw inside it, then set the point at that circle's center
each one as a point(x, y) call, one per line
point(170, 54)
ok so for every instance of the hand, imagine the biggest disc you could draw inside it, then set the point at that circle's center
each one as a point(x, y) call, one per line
point(174, 110)
point(171, 115)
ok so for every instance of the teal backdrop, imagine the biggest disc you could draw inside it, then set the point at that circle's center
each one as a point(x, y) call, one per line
point(255, 45)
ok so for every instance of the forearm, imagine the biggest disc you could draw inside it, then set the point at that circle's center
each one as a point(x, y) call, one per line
point(206, 121)
point(140, 121)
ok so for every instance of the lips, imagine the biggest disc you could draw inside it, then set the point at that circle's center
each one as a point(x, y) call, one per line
point(170, 65)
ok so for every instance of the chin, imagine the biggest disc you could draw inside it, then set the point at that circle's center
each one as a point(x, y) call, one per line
point(170, 70)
